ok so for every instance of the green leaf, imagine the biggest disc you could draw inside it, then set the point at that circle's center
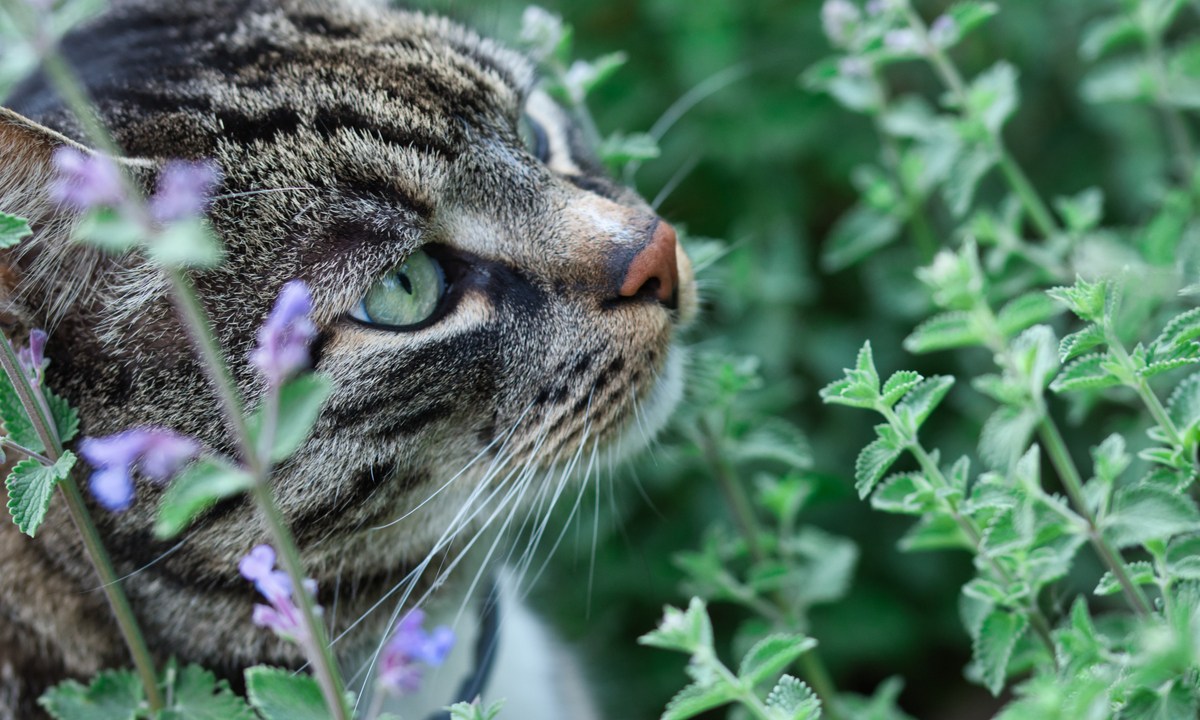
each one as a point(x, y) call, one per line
point(947, 330)
point(66, 419)
point(1080, 342)
point(1183, 558)
point(30, 488)
point(1025, 311)
point(1005, 435)
point(1140, 573)
point(1142, 513)
point(771, 656)
point(1081, 212)
point(993, 648)
point(859, 387)
point(872, 463)
point(12, 230)
point(971, 14)
point(1123, 79)
point(698, 698)
point(475, 711)
point(279, 694)
point(963, 178)
point(112, 695)
point(778, 440)
point(16, 421)
point(197, 695)
point(682, 630)
point(794, 700)
point(300, 402)
point(899, 383)
point(921, 401)
point(992, 96)
point(620, 149)
point(904, 493)
point(187, 244)
point(858, 234)
point(1181, 330)
point(197, 488)
point(1183, 406)
point(110, 230)
point(1085, 373)
point(1085, 299)
point(1106, 34)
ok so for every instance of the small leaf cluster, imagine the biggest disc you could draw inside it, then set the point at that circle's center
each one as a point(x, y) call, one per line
point(714, 684)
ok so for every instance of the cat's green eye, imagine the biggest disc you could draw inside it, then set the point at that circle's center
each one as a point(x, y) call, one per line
point(407, 295)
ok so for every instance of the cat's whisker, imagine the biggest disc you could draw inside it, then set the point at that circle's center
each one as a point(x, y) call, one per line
point(676, 178)
point(162, 556)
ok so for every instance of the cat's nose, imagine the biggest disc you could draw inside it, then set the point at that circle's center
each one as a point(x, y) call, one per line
point(654, 271)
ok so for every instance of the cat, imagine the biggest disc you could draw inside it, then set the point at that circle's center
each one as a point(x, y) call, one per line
point(493, 309)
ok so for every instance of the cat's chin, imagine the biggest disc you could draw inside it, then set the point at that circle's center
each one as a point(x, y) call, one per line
point(654, 411)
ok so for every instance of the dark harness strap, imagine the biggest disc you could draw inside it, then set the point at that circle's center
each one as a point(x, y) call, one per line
point(486, 646)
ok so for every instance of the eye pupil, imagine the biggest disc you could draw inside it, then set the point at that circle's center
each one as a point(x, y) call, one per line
point(405, 282)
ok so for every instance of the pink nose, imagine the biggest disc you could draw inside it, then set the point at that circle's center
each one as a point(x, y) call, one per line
point(654, 272)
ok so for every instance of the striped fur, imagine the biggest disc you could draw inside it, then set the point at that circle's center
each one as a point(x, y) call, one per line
point(369, 133)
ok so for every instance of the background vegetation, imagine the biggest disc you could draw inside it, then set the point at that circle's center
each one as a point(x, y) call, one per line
point(767, 165)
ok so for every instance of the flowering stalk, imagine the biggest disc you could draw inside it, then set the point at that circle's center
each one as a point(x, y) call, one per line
point(1039, 213)
point(110, 583)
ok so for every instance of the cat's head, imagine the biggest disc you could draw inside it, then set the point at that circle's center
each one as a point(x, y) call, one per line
point(493, 309)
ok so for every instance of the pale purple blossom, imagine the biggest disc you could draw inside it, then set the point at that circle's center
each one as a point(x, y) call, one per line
point(86, 180)
point(282, 616)
point(32, 357)
point(183, 190)
point(837, 18)
point(943, 31)
point(903, 40)
point(284, 338)
point(411, 646)
point(156, 452)
point(878, 7)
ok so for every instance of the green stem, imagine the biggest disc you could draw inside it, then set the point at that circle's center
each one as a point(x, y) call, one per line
point(93, 545)
point(257, 459)
point(1039, 212)
point(9, 445)
point(1060, 457)
point(1177, 133)
point(1141, 386)
point(735, 495)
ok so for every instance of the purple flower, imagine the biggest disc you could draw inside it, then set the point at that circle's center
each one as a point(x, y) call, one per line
point(837, 17)
point(183, 190)
point(944, 31)
point(878, 7)
point(398, 667)
point(283, 339)
point(156, 452)
point(854, 67)
point(86, 180)
point(32, 357)
point(282, 616)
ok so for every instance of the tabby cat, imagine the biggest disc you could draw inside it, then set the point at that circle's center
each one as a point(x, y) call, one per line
point(493, 310)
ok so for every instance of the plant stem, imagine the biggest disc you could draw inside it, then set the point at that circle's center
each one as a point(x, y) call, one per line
point(257, 459)
point(8, 444)
point(945, 69)
point(1177, 132)
point(1142, 387)
point(735, 495)
point(1056, 448)
point(93, 545)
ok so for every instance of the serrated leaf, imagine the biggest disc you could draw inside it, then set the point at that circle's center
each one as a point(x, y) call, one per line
point(872, 463)
point(198, 695)
point(778, 440)
point(771, 656)
point(197, 488)
point(794, 700)
point(965, 173)
point(899, 383)
point(905, 493)
point(1005, 435)
point(300, 402)
point(1085, 373)
point(1080, 342)
point(992, 95)
point(1025, 311)
point(1183, 406)
point(682, 630)
point(66, 419)
point(1142, 513)
point(1140, 573)
point(1085, 299)
point(1183, 558)
point(698, 698)
point(946, 330)
point(1182, 329)
point(12, 230)
point(993, 648)
point(971, 14)
point(475, 711)
point(112, 695)
point(30, 488)
point(279, 694)
point(1081, 212)
point(922, 400)
point(16, 421)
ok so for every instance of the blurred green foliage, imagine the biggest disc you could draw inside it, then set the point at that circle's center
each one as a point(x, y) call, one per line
point(769, 167)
